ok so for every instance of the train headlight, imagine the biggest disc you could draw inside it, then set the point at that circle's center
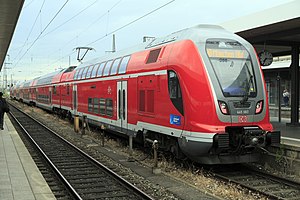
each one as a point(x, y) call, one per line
point(223, 107)
point(259, 107)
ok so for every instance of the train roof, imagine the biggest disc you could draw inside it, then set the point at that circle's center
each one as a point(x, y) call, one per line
point(47, 79)
point(197, 34)
point(204, 30)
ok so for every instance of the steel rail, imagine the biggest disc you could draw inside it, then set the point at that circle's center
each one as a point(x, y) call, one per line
point(115, 175)
point(247, 173)
point(64, 180)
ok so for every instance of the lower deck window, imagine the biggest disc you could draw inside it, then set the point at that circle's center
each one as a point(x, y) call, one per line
point(109, 107)
point(96, 105)
point(90, 105)
point(101, 106)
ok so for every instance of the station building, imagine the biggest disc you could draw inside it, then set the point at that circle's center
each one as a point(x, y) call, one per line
point(277, 31)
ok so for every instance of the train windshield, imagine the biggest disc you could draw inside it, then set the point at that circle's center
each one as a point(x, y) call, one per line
point(232, 65)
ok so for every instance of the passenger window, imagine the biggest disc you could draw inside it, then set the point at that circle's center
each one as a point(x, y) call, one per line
point(94, 71)
point(84, 72)
point(109, 107)
point(96, 105)
point(102, 106)
point(107, 68)
point(75, 75)
point(123, 65)
point(88, 74)
point(175, 91)
point(90, 104)
point(115, 66)
point(80, 73)
point(100, 69)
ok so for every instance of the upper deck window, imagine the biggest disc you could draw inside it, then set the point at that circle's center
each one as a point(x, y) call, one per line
point(94, 71)
point(100, 69)
point(115, 66)
point(88, 74)
point(123, 65)
point(84, 72)
point(233, 67)
point(76, 74)
point(107, 68)
point(79, 73)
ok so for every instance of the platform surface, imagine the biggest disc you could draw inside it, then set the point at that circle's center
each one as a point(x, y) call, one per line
point(290, 135)
point(20, 179)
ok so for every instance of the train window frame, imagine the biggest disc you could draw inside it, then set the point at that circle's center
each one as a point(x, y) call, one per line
point(76, 74)
point(109, 108)
point(94, 71)
point(175, 92)
point(90, 104)
point(107, 68)
point(96, 105)
point(88, 73)
point(54, 89)
point(102, 106)
point(123, 64)
point(100, 69)
point(84, 73)
point(80, 73)
point(249, 69)
point(115, 66)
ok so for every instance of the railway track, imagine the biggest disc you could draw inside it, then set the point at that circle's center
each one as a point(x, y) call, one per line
point(274, 187)
point(83, 176)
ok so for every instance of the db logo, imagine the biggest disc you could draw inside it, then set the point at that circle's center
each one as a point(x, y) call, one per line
point(109, 90)
point(243, 118)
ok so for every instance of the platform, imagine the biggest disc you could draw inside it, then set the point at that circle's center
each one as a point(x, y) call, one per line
point(19, 176)
point(290, 135)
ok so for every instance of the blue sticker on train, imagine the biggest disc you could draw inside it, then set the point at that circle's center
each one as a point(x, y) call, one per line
point(175, 119)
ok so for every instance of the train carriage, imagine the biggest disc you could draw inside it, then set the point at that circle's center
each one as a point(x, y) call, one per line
point(200, 92)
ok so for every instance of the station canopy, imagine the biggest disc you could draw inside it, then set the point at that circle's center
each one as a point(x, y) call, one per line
point(9, 14)
point(274, 30)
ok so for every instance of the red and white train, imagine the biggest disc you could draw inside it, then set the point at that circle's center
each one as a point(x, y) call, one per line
point(199, 91)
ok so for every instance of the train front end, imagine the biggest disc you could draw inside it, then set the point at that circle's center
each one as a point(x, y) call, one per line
point(237, 128)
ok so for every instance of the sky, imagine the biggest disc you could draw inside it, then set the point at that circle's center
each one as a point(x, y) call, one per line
point(49, 31)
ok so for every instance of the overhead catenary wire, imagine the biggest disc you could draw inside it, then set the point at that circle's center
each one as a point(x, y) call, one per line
point(43, 30)
point(73, 17)
point(114, 31)
point(84, 31)
point(139, 18)
point(31, 28)
point(90, 25)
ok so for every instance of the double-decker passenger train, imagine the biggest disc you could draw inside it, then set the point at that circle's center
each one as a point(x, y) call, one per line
point(200, 92)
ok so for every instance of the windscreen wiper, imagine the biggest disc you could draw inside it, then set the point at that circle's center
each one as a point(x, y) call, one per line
point(247, 89)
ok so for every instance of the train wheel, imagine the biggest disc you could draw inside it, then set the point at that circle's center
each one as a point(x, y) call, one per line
point(176, 151)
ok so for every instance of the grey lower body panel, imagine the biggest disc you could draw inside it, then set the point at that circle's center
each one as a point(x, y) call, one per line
point(200, 153)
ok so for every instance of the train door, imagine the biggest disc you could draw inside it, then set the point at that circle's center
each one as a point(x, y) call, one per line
point(122, 105)
point(75, 99)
